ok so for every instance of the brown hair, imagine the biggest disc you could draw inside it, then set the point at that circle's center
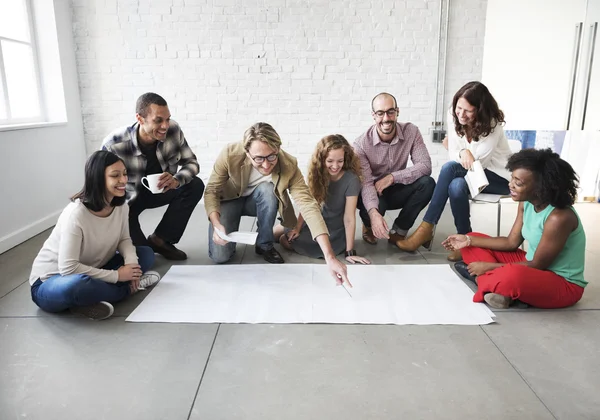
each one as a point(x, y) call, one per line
point(318, 177)
point(487, 113)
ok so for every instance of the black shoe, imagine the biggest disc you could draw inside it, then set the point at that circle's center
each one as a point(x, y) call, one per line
point(517, 304)
point(461, 268)
point(270, 255)
point(166, 249)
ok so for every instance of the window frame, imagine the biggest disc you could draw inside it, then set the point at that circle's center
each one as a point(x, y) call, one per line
point(42, 117)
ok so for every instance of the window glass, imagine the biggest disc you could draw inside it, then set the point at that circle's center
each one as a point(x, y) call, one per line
point(21, 80)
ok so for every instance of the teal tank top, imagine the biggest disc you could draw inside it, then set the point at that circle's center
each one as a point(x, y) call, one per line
point(570, 261)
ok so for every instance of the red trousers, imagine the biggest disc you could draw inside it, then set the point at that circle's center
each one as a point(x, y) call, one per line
point(539, 288)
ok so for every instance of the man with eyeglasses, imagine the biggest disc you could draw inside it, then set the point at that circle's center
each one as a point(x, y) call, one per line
point(388, 184)
point(253, 178)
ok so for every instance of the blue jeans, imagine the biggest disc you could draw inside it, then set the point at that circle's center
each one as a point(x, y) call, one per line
point(451, 184)
point(58, 293)
point(262, 204)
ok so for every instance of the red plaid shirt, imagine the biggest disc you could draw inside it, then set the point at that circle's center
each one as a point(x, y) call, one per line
point(378, 159)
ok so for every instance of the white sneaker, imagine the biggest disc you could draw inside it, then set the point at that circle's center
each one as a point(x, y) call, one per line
point(148, 279)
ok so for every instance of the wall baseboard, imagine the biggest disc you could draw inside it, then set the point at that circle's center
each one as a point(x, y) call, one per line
point(15, 238)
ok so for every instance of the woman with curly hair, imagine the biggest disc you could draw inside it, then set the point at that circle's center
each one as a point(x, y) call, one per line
point(550, 274)
point(477, 135)
point(334, 181)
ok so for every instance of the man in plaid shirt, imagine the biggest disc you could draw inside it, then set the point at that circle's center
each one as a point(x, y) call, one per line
point(388, 183)
point(156, 145)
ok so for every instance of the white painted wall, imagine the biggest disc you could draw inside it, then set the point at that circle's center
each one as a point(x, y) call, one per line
point(42, 167)
point(528, 60)
point(308, 67)
point(465, 46)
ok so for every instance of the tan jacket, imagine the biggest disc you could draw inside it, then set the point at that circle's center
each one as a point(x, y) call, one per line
point(229, 179)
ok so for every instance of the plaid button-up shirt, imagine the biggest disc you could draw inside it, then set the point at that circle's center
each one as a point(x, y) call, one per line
point(172, 153)
point(378, 159)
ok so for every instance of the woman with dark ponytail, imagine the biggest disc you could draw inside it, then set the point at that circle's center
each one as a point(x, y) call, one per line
point(550, 274)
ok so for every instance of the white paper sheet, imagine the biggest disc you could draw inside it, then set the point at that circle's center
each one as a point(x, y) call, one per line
point(248, 238)
point(489, 198)
point(476, 179)
point(306, 293)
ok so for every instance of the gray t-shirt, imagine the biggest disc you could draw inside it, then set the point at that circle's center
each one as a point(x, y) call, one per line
point(333, 213)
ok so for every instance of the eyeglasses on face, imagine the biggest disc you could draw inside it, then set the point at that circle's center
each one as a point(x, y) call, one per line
point(390, 112)
point(260, 159)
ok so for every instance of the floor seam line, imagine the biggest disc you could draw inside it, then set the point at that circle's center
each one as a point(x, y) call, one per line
point(519, 373)
point(12, 290)
point(539, 311)
point(203, 372)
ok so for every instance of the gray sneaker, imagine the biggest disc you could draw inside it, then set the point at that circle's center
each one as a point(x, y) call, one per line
point(148, 279)
point(97, 311)
point(497, 301)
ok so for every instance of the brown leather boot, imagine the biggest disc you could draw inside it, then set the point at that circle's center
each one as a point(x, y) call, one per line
point(422, 236)
point(455, 256)
point(395, 238)
point(367, 235)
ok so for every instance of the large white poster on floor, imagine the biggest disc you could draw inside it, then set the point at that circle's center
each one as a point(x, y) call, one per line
point(306, 293)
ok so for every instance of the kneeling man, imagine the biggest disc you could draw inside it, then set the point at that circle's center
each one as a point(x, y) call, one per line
point(253, 178)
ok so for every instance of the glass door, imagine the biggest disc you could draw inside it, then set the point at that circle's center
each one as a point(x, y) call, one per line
point(589, 116)
point(531, 55)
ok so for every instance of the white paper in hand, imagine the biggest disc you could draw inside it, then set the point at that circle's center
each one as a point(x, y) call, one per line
point(248, 238)
point(476, 179)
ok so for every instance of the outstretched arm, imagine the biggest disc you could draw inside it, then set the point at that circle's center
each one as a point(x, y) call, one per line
point(337, 269)
point(501, 243)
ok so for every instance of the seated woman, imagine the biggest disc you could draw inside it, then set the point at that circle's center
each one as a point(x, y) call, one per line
point(550, 274)
point(78, 267)
point(333, 179)
point(477, 134)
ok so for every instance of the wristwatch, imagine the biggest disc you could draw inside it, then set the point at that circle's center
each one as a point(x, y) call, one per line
point(351, 253)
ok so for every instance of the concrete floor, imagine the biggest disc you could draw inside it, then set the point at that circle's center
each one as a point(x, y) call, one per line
point(530, 364)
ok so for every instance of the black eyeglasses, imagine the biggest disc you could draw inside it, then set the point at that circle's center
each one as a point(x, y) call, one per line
point(260, 159)
point(390, 112)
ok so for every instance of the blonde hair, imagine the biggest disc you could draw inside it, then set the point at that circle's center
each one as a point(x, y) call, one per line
point(318, 177)
point(263, 132)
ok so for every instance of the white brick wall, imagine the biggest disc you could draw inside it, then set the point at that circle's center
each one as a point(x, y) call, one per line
point(308, 67)
point(465, 45)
